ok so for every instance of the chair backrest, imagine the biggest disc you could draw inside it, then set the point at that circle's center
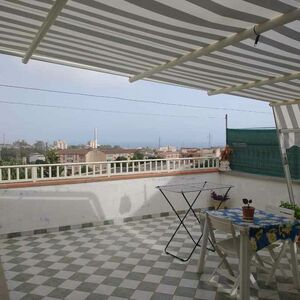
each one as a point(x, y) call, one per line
point(281, 211)
point(222, 225)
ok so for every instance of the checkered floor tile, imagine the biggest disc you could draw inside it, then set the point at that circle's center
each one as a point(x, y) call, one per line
point(120, 262)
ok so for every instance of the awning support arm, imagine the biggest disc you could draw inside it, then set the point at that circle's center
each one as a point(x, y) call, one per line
point(227, 41)
point(50, 19)
point(252, 84)
point(285, 163)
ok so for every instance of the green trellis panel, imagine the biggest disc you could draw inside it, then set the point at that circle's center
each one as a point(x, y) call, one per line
point(257, 151)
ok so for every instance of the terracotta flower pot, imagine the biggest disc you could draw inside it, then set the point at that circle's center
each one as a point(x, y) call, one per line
point(248, 213)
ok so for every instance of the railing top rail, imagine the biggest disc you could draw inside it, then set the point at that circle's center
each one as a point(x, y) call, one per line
point(105, 162)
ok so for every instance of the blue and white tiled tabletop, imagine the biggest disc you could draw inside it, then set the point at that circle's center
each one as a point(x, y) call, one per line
point(265, 229)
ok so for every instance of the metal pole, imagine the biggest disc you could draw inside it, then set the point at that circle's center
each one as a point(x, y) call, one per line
point(226, 127)
point(285, 162)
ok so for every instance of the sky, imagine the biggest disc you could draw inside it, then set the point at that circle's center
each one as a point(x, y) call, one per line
point(173, 125)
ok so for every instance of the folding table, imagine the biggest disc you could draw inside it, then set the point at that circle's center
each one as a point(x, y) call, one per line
point(184, 189)
point(262, 231)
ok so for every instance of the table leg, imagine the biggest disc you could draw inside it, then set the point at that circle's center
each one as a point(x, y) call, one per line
point(244, 265)
point(294, 264)
point(203, 250)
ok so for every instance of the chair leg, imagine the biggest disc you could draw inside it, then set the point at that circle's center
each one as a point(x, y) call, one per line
point(259, 260)
point(215, 270)
point(226, 263)
point(253, 282)
point(276, 263)
point(235, 287)
point(273, 256)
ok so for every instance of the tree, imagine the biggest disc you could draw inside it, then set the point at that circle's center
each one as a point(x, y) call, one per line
point(40, 146)
point(138, 155)
point(119, 158)
point(20, 143)
point(52, 157)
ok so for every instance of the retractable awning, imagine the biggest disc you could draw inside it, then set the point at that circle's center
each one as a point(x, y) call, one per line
point(287, 118)
point(207, 45)
point(247, 48)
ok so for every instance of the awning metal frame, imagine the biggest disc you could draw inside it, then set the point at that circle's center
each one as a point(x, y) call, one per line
point(285, 162)
point(50, 19)
point(227, 41)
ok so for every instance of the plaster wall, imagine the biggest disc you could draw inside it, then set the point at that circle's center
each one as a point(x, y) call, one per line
point(26, 209)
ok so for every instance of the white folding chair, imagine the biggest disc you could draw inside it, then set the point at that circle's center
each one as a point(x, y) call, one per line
point(225, 248)
point(276, 249)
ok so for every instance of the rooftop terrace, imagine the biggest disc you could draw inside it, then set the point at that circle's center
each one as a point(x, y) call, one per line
point(120, 262)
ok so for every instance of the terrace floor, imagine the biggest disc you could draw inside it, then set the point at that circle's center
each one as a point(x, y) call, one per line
point(119, 262)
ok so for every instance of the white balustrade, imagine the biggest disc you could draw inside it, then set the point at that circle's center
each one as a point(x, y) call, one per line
point(40, 172)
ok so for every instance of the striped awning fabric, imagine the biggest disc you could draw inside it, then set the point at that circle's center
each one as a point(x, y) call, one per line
point(129, 37)
point(288, 122)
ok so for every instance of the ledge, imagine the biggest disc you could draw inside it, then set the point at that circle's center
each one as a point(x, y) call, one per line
point(15, 185)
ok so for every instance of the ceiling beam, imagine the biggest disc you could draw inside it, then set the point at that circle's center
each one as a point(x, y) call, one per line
point(227, 41)
point(50, 19)
point(252, 84)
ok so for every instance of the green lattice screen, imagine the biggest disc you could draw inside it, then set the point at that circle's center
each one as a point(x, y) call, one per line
point(257, 151)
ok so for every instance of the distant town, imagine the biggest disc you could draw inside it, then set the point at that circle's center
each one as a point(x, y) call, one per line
point(20, 152)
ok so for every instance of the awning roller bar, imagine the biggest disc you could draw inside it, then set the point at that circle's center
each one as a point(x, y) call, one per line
point(289, 130)
point(254, 84)
point(227, 41)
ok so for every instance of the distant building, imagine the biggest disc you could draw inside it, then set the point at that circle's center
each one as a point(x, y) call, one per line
point(209, 152)
point(5, 146)
point(113, 154)
point(190, 152)
point(92, 144)
point(168, 154)
point(34, 157)
point(60, 145)
point(198, 152)
point(167, 149)
point(80, 155)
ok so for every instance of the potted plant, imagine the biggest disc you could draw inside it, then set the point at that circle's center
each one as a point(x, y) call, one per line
point(220, 198)
point(224, 159)
point(248, 211)
point(293, 207)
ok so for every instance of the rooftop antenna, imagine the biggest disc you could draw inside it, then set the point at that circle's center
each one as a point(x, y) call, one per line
point(209, 140)
point(158, 142)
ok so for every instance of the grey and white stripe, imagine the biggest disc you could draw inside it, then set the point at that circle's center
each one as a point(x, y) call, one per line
point(129, 37)
point(288, 122)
